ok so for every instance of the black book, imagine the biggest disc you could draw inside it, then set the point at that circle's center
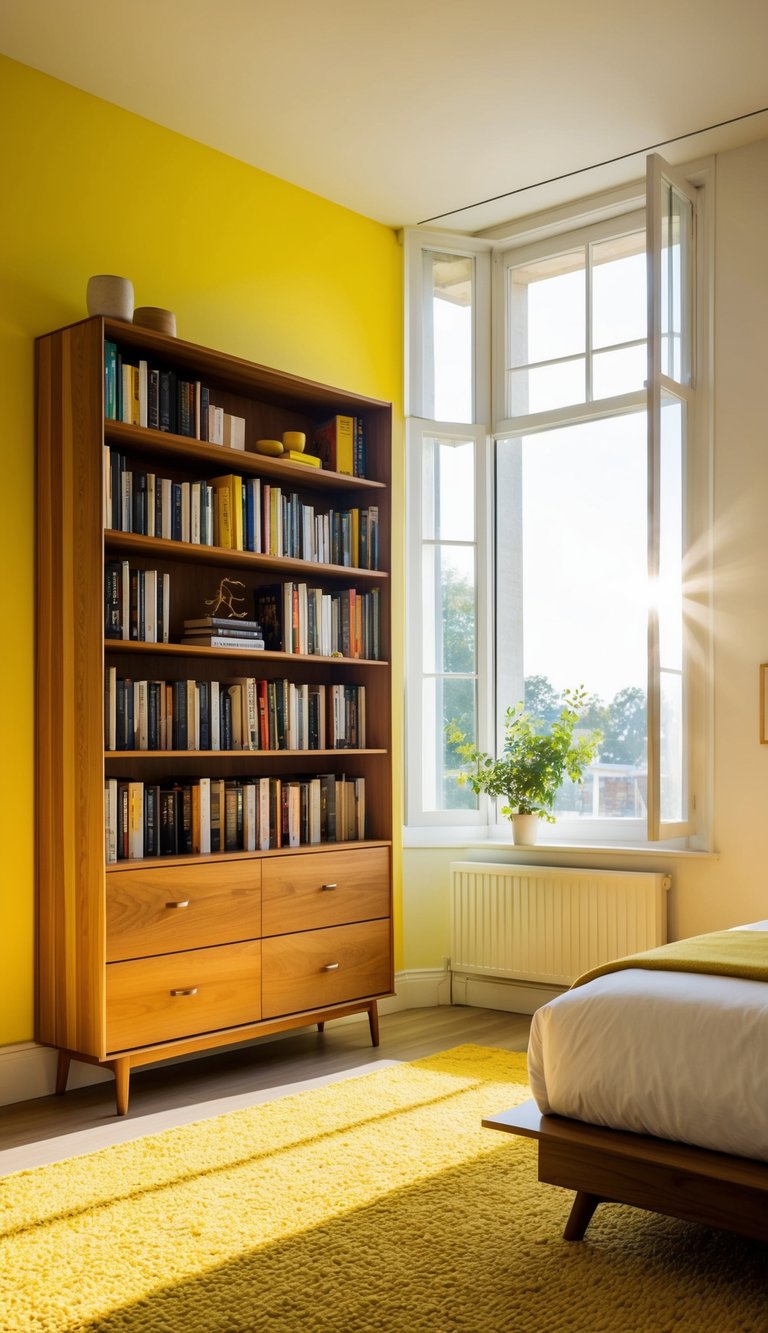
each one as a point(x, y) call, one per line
point(153, 715)
point(180, 715)
point(153, 400)
point(151, 820)
point(269, 615)
point(168, 401)
point(113, 589)
point(225, 724)
point(184, 808)
point(117, 467)
point(205, 399)
point(233, 816)
point(169, 832)
point(176, 511)
point(204, 692)
point(139, 498)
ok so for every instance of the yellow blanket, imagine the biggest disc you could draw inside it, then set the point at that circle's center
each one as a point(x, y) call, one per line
point(727, 953)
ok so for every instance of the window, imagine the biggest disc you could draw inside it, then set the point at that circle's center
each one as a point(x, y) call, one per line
point(552, 541)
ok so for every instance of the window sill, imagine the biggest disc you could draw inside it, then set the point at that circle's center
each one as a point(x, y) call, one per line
point(544, 851)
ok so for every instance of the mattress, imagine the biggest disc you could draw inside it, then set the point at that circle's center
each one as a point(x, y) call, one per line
point(679, 1055)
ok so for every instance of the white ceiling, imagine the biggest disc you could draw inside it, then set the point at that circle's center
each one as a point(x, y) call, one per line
point(412, 110)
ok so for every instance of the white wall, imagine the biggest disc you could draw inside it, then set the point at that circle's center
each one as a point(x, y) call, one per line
point(708, 893)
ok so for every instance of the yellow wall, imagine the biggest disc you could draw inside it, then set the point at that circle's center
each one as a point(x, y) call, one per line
point(250, 265)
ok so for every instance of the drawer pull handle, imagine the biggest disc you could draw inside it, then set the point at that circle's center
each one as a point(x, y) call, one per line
point(330, 967)
point(324, 888)
point(186, 990)
point(184, 903)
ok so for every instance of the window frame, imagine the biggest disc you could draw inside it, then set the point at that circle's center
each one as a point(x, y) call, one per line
point(596, 218)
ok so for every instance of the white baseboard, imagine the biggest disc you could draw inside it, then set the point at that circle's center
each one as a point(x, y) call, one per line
point(28, 1070)
point(514, 997)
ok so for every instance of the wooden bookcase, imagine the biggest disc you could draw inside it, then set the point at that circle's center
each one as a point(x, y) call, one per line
point(149, 958)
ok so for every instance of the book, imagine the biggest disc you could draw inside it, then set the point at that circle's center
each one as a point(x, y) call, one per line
point(203, 640)
point(334, 442)
point(223, 622)
point(269, 613)
point(294, 456)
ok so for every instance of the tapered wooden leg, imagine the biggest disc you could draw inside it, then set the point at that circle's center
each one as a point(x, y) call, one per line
point(62, 1073)
point(321, 1027)
point(122, 1072)
point(580, 1216)
point(373, 1019)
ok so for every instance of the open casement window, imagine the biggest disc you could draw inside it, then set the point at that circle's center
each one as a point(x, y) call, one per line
point(671, 225)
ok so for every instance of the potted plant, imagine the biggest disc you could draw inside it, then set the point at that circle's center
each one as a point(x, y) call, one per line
point(533, 763)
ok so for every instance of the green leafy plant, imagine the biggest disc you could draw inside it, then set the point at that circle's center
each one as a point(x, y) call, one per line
point(534, 762)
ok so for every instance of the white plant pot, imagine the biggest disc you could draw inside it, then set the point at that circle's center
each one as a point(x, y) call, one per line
point(525, 829)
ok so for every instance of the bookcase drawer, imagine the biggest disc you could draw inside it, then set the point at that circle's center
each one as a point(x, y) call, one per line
point(324, 889)
point(182, 994)
point(318, 967)
point(160, 909)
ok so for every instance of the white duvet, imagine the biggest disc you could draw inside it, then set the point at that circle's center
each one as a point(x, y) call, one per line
point(679, 1055)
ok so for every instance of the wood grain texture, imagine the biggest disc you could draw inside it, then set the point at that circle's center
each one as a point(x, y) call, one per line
point(324, 889)
point(610, 1166)
point(215, 988)
point(162, 909)
point(317, 967)
point(106, 936)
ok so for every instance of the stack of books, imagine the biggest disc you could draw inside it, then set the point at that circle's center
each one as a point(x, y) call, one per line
point(223, 632)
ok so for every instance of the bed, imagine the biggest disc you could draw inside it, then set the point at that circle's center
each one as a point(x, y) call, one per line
point(650, 1087)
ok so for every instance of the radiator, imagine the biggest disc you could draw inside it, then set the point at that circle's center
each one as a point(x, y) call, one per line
point(548, 924)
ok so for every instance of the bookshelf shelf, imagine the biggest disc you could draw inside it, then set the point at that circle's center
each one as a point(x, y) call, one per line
point(164, 548)
point(217, 848)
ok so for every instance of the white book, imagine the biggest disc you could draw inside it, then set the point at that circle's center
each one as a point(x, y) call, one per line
point(291, 737)
point(314, 810)
point(111, 710)
point(209, 515)
point(195, 513)
point(294, 814)
point(263, 813)
point(205, 815)
point(303, 691)
point(150, 606)
point(110, 821)
point(250, 823)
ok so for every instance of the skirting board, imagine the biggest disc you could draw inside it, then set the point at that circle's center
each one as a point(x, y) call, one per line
point(513, 997)
point(28, 1070)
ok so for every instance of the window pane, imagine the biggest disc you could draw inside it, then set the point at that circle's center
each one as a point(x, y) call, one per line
point(449, 635)
point(448, 336)
point(546, 387)
point(622, 371)
point(619, 306)
point(449, 490)
point(577, 499)
point(446, 700)
point(669, 595)
point(546, 309)
point(676, 284)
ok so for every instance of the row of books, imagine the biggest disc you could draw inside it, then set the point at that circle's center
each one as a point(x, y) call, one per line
point(340, 442)
point(296, 618)
point(229, 815)
point(144, 395)
point(239, 714)
point(238, 513)
point(137, 603)
point(162, 399)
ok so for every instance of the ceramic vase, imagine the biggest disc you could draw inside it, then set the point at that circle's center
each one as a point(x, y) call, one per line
point(111, 296)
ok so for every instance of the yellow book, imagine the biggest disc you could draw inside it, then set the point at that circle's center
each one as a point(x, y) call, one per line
point(229, 511)
point(294, 456)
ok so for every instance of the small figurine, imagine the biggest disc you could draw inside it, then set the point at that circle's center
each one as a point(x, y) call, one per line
point(226, 598)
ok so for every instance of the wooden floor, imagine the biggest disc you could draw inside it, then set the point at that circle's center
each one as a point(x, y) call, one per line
point(52, 1128)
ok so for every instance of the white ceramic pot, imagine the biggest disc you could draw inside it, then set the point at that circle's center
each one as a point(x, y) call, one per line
point(111, 296)
point(525, 829)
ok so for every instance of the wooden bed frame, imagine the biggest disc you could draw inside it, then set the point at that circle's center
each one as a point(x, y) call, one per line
point(609, 1166)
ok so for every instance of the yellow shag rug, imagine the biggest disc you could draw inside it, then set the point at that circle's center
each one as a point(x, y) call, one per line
point(376, 1203)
